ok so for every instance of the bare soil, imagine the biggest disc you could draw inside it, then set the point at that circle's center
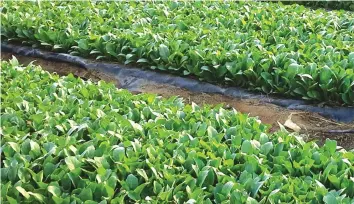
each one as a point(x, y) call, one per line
point(312, 125)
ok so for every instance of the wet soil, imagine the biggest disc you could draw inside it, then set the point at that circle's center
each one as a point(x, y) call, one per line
point(312, 125)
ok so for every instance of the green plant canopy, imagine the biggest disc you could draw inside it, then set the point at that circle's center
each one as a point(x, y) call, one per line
point(269, 47)
point(65, 140)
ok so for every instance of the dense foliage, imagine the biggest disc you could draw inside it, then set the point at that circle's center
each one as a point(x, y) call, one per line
point(65, 140)
point(337, 4)
point(269, 47)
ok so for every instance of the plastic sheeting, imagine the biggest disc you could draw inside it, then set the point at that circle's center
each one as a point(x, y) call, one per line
point(133, 78)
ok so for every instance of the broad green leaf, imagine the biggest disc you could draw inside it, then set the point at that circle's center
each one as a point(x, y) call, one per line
point(325, 75)
point(72, 163)
point(251, 200)
point(86, 194)
point(11, 200)
point(54, 190)
point(83, 44)
point(118, 154)
point(266, 148)
point(132, 181)
point(23, 192)
point(330, 198)
point(133, 195)
point(37, 196)
point(212, 133)
point(246, 147)
point(331, 145)
point(201, 177)
point(164, 52)
point(142, 173)
point(226, 189)
point(157, 187)
point(14, 146)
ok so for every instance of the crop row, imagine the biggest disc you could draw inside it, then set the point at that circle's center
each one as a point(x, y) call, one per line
point(65, 140)
point(269, 47)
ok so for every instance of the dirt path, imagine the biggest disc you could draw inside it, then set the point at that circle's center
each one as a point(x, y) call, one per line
point(311, 124)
